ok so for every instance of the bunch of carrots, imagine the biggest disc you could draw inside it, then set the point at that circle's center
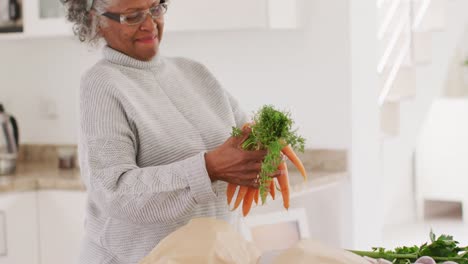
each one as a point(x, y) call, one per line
point(271, 130)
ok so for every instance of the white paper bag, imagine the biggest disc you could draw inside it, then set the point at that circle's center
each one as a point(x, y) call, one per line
point(204, 241)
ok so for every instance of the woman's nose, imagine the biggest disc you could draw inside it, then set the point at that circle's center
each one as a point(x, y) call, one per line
point(148, 23)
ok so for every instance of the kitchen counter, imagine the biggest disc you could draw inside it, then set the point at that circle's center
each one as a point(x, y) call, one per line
point(315, 181)
point(36, 176)
point(37, 170)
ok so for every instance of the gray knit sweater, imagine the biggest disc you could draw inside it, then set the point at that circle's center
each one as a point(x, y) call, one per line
point(144, 129)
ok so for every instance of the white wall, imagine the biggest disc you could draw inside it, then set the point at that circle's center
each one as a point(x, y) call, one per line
point(456, 85)
point(440, 164)
point(304, 70)
point(442, 152)
point(399, 201)
point(365, 189)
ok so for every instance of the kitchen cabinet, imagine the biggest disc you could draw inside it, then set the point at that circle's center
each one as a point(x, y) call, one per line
point(215, 14)
point(18, 228)
point(35, 226)
point(187, 15)
point(61, 222)
point(45, 18)
point(10, 17)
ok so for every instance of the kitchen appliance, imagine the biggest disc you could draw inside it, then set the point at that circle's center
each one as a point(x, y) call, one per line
point(9, 139)
point(10, 16)
point(4, 12)
point(13, 10)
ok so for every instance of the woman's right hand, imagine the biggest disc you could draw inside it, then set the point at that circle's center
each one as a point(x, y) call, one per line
point(230, 163)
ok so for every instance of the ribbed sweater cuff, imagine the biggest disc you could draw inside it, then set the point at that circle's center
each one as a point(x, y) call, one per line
point(199, 181)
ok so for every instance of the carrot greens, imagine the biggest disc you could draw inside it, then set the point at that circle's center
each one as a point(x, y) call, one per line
point(442, 248)
point(271, 130)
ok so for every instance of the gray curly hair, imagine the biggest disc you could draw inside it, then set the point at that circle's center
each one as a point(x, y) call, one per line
point(85, 22)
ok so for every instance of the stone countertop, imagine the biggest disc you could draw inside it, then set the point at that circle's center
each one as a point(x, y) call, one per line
point(37, 170)
point(316, 180)
point(35, 176)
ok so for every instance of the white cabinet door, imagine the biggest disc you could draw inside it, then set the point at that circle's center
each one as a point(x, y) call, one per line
point(18, 228)
point(216, 15)
point(61, 225)
point(186, 15)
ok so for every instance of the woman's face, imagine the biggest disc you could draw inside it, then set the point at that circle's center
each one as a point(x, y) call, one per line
point(139, 41)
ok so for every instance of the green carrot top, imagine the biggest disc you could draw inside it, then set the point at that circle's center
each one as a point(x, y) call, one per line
point(442, 248)
point(271, 130)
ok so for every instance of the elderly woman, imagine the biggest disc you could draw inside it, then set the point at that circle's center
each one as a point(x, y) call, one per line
point(154, 141)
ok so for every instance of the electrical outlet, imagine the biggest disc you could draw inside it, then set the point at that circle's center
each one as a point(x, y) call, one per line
point(48, 109)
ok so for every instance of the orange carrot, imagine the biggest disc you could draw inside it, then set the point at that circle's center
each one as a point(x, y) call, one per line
point(248, 199)
point(272, 188)
point(289, 152)
point(231, 189)
point(283, 181)
point(240, 196)
point(256, 196)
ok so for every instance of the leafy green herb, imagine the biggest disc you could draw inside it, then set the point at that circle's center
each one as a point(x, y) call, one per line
point(443, 248)
point(271, 130)
point(236, 132)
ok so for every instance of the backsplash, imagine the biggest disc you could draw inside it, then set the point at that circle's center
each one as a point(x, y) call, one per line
point(46, 153)
point(323, 160)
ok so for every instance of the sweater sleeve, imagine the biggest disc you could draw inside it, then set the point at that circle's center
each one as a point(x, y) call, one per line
point(121, 189)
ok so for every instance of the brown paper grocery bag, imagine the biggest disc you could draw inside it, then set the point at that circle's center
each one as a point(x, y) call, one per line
point(204, 241)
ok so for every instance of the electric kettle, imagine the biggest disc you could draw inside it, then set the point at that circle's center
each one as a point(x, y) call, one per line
point(9, 139)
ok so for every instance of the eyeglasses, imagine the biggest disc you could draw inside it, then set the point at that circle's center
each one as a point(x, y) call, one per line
point(138, 17)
